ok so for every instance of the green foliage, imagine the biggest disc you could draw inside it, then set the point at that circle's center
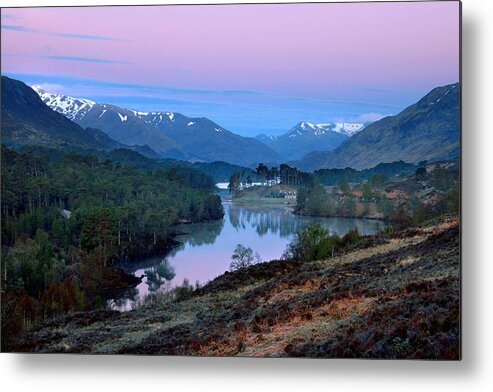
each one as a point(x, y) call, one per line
point(351, 237)
point(313, 242)
point(262, 172)
point(344, 187)
point(385, 206)
point(243, 257)
point(420, 173)
point(377, 175)
point(316, 201)
point(234, 183)
point(441, 179)
point(141, 203)
point(379, 179)
point(99, 230)
point(64, 217)
point(401, 217)
point(367, 192)
point(413, 199)
point(183, 291)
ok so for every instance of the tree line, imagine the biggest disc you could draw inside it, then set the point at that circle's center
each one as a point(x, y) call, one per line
point(282, 174)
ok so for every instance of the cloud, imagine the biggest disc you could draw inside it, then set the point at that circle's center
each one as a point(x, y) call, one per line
point(8, 16)
point(86, 36)
point(375, 89)
point(83, 59)
point(370, 117)
point(24, 29)
point(121, 87)
point(52, 87)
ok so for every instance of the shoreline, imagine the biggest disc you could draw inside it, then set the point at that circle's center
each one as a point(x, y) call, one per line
point(385, 220)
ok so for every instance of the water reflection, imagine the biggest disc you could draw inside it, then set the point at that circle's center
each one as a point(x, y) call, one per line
point(280, 220)
point(158, 275)
point(199, 234)
point(206, 248)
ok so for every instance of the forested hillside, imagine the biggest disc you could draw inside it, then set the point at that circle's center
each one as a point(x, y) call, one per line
point(64, 221)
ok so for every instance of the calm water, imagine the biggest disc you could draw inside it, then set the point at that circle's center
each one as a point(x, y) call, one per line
point(206, 249)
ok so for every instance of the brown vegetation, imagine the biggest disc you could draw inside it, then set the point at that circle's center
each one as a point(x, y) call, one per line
point(388, 296)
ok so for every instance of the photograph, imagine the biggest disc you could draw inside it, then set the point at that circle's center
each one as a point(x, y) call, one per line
point(217, 180)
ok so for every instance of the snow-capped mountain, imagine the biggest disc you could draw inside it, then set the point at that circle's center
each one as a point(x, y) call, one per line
point(72, 108)
point(170, 134)
point(348, 129)
point(425, 131)
point(123, 125)
point(306, 137)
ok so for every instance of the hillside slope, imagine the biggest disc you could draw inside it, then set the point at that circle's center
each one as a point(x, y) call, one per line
point(427, 130)
point(209, 141)
point(26, 120)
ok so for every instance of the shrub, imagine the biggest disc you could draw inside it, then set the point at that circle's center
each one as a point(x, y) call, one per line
point(243, 257)
point(313, 242)
point(401, 217)
point(184, 291)
point(351, 237)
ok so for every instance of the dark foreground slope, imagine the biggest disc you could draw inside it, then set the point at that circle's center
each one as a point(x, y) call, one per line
point(388, 297)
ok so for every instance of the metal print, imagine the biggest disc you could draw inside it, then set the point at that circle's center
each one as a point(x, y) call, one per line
point(264, 180)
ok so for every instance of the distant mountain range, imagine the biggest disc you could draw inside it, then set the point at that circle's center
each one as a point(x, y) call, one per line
point(306, 137)
point(427, 130)
point(170, 135)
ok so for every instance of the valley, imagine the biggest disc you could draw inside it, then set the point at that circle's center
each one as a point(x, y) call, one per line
point(116, 239)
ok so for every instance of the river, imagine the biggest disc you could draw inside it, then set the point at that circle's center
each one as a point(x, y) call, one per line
point(206, 248)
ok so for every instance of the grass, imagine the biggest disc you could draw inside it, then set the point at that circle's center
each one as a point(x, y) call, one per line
point(261, 195)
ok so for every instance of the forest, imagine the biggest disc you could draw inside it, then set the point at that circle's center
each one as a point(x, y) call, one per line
point(400, 193)
point(403, 200)
point(66, 221)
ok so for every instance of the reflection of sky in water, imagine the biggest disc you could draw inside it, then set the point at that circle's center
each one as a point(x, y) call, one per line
point(207, 247)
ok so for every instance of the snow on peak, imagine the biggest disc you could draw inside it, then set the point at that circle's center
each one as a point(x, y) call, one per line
point(139, 113)
point(123, 118)
point(320, 129)
point(70, 107)
point(154, 118)
point(190, 123)
point(348, 129)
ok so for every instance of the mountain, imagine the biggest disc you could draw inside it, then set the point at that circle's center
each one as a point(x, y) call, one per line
point(306, 137)
point(266, 139)
point(120, 124)
point(209, 141)
point(171, 135)
point(427, 130)
point(26, 120)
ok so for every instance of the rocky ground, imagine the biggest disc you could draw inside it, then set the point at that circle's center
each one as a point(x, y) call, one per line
point(387, 297)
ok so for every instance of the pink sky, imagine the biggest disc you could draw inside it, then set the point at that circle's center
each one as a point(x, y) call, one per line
point(299, 50)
